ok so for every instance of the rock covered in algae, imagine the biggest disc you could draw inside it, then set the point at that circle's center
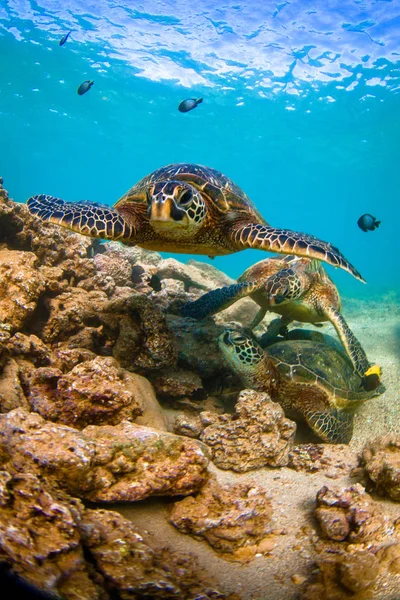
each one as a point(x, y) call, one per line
point(350, 514)
point(335, 460)
point(134, 569)
point(126, 462)
point(358, 554)
point(343, 576)
point(94, 392)
point(228, 517)
point(40, 537)
point(54, 543)
point(258, 434)
point(381, 461)
point(21, 286)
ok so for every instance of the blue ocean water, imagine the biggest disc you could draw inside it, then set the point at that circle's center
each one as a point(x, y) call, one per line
point(301, 109)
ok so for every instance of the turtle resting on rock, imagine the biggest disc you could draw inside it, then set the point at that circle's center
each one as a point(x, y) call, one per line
point(297, 288)
point(185, 208)
point(312, 381)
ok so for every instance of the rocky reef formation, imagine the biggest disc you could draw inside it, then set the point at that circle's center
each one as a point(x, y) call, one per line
point(108, 395)
point(233, 519)
point(256, 435)
point(359, 546)
point(381, 462)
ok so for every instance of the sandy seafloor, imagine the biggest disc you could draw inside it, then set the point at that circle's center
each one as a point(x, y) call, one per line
point(377, 325)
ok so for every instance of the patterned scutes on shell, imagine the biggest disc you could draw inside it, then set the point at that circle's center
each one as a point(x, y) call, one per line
point(215, 185)
point(307, 362)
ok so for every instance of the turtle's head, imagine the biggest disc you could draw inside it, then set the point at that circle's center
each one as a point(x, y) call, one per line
point(242, 353)
point(175, 205)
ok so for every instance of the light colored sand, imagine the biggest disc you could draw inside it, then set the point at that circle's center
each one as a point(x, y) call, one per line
point(292, 493)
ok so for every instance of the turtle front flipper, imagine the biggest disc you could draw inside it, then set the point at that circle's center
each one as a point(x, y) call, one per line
point(87, 218)
point(284, 241)
point(370, 379)
point(331, 425)
point(217, 300)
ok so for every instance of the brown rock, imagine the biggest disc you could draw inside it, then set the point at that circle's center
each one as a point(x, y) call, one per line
point(389, 557)
point(93, 392)
point(143, 340)
point(258, 434)
point(11, 392)
point(189, 425)
point(30, 348)
point(177, 383)
point(335, 460)
point(20, 287)
point(358, 571)
point(70, 312)
point(52, 542)
point(227, 517)
point(350, 514)
point(197, 346)
point(40, 537)
point(342, 575)
point(381, 462)
point(132, 568)
point(115, 266)
point(103, 464)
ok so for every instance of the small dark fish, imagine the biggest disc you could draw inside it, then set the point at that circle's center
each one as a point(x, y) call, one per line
point(64, 38)
point(85, 87)
point(368, 223)
point(189, 104)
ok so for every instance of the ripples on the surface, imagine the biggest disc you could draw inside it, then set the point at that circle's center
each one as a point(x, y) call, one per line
point(269, 47)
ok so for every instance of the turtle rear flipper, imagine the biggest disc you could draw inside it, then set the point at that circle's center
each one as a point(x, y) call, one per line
point(284, 241)
point(216, 300)
point(331, 425)
point(87, 218)
point(352, 346)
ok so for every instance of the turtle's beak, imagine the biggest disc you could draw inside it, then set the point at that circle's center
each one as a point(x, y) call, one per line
point(164, 213)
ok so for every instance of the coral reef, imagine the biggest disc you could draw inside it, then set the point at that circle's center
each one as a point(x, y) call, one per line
point(381, 462)
point(59, 546)
point(228, 517)
point(126, 462)
point(258, 434)
point(95, 360)
point(349, 515)
point(360, 545)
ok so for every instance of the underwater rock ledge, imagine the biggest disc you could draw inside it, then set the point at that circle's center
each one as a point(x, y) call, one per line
point(95, 365)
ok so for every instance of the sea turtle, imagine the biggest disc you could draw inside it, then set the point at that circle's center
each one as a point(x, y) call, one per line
point(185, 208)
point(312, 381)
point(297, 288)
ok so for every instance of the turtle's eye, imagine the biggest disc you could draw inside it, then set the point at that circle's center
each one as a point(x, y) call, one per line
point(185, 198)
point(239, 339)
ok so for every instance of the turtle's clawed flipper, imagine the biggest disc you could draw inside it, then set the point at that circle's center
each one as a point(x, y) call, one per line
point(284, 241)
point(216, 300)
point(87, 218)
point(331, 425)
point(370, 378)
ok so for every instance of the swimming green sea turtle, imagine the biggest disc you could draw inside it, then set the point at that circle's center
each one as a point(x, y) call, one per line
point(313, 382)
point(297, 288)
point(185, 208)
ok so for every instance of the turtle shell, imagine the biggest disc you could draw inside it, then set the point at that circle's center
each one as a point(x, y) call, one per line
point(321, 364)
point(214, 186)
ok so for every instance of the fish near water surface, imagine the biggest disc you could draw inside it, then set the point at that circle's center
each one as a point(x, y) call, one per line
point(85, 87)
point(368, 223)
point(189, 104)
point(64, 38)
